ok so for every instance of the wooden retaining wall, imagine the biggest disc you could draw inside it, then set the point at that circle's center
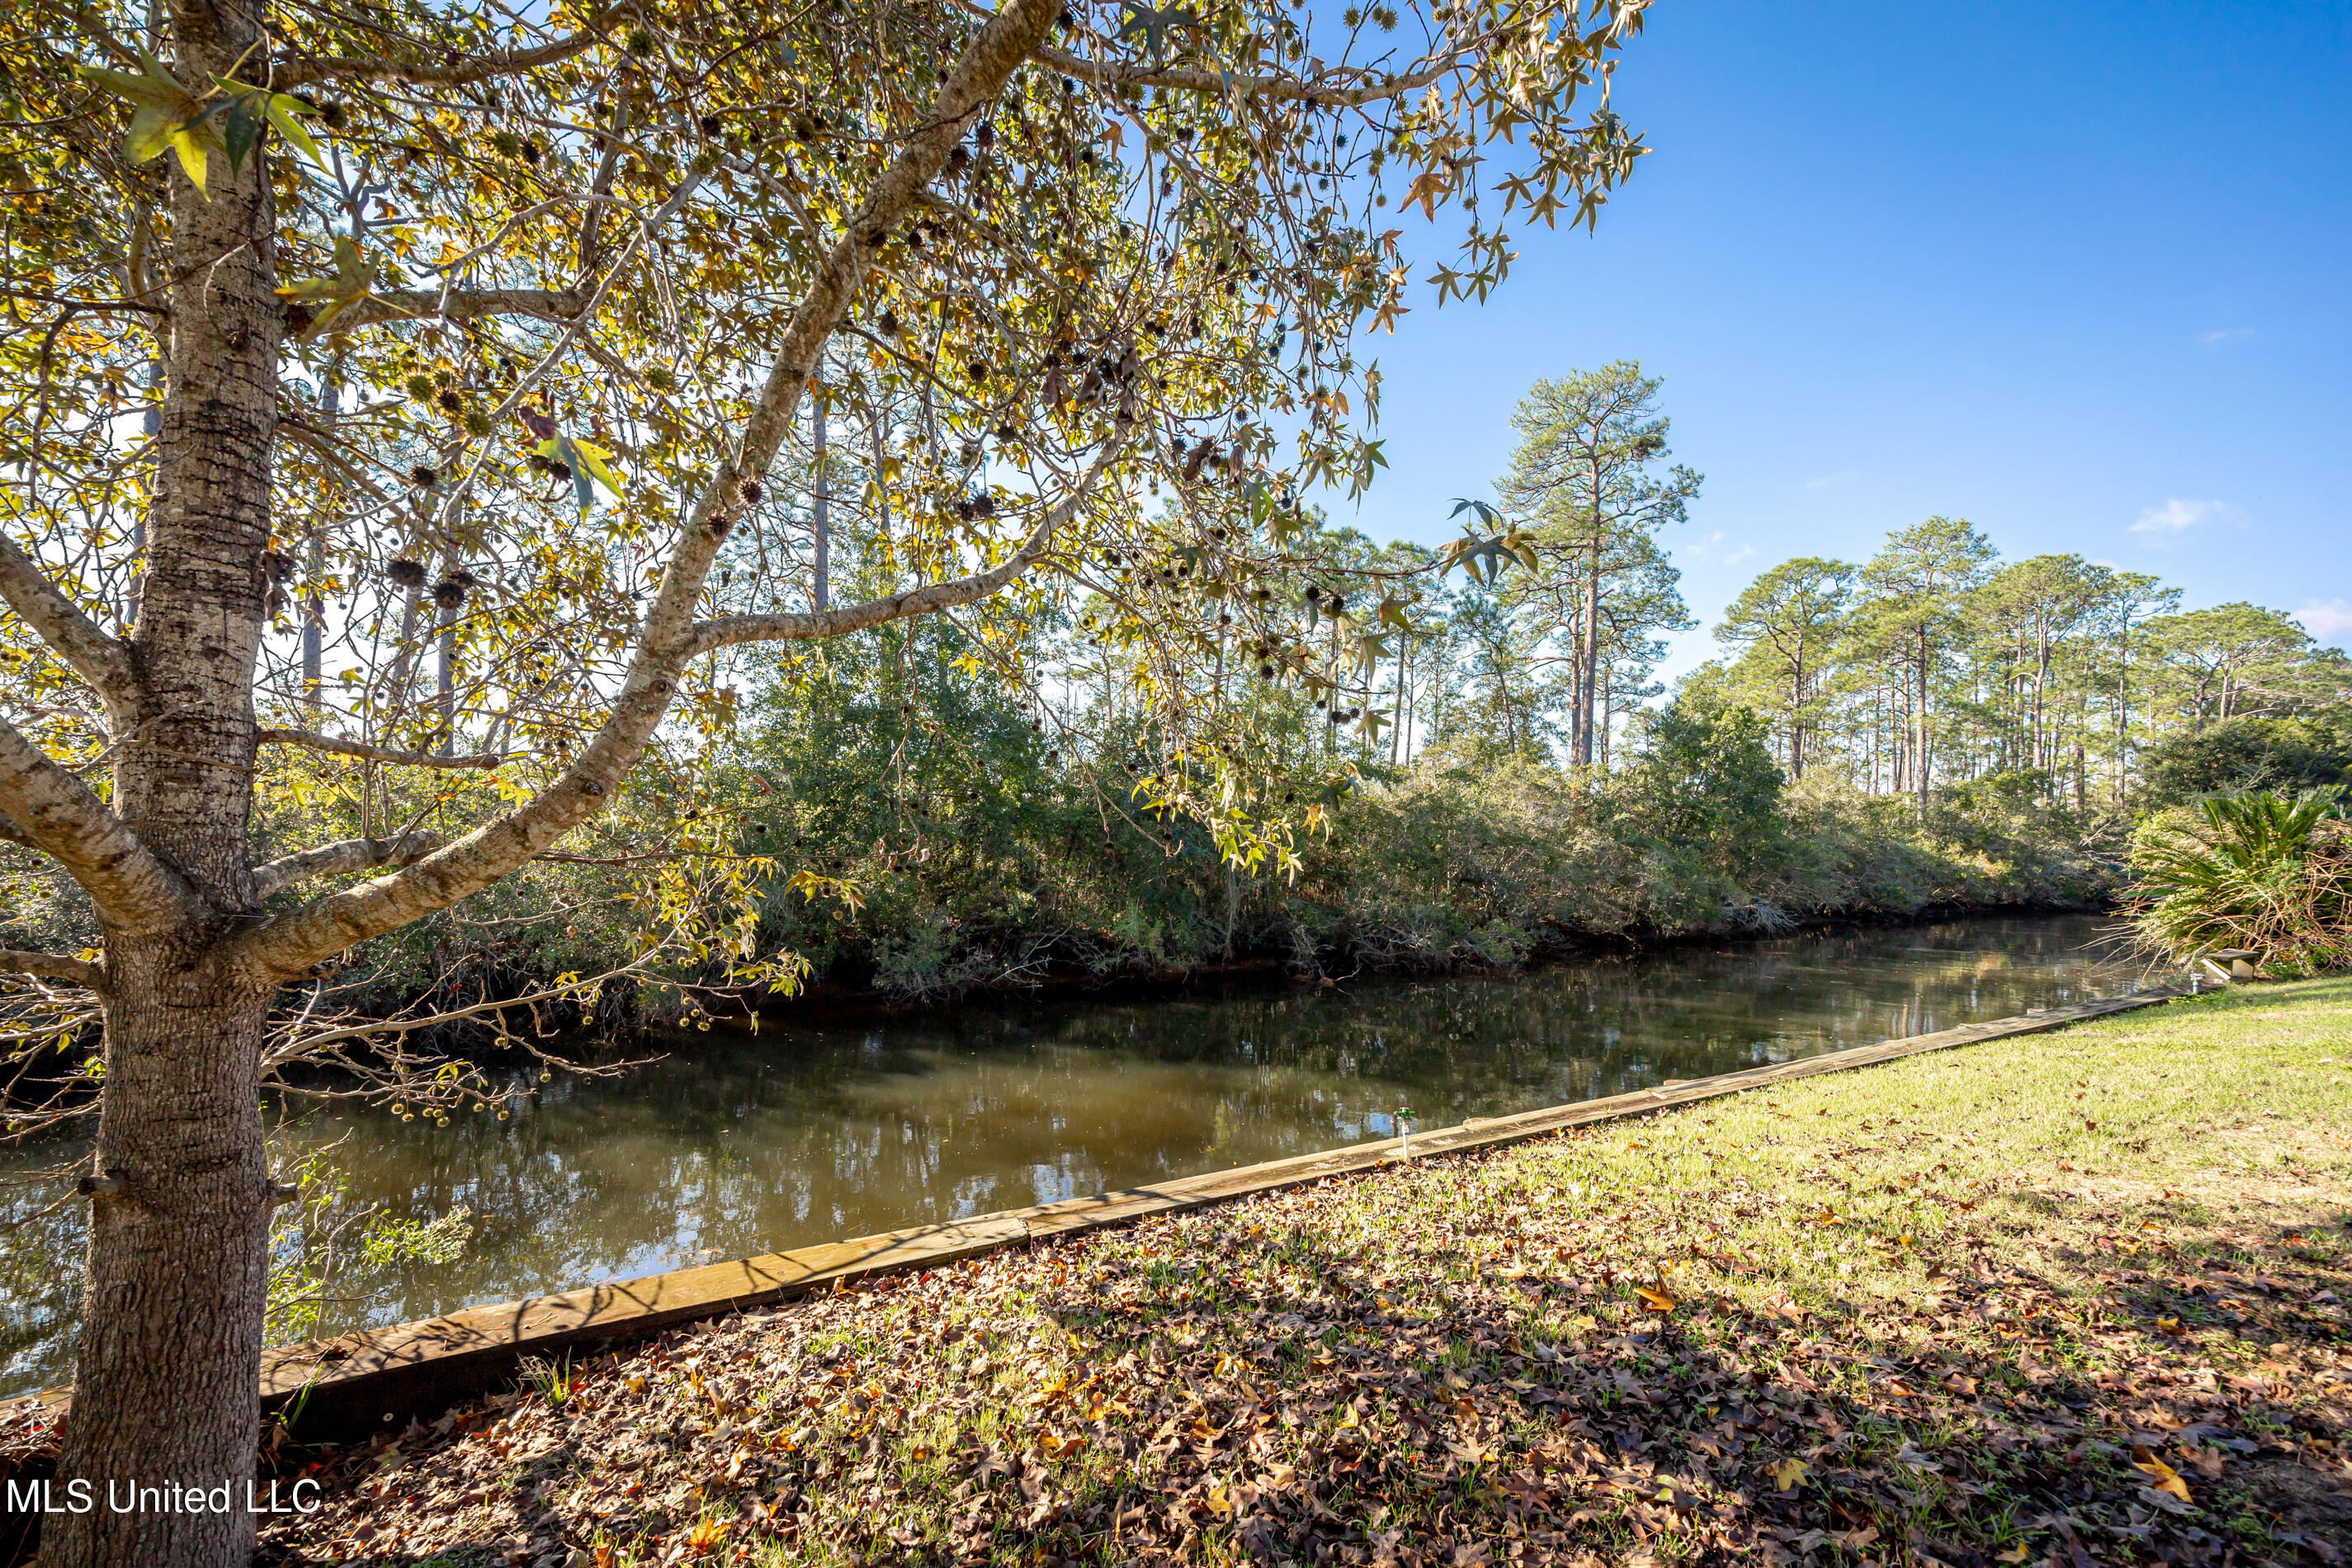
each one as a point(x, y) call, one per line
point(338, 1389)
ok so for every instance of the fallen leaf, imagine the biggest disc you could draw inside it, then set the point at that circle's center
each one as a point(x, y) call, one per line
point(1656, 1300)
point(1790, 1474)
point(2167, 1479)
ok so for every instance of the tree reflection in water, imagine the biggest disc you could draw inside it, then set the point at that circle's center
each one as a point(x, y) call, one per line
point(738, 1143)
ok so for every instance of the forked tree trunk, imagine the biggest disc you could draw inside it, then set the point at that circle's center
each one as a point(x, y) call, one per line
point(164, 1393)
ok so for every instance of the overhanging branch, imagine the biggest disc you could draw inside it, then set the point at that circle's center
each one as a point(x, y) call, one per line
point(1366, 88)
point(95, 657)
point(293, 76)
point(289, 943)
point(733, 629)
point(133, 889)
point(462, 305)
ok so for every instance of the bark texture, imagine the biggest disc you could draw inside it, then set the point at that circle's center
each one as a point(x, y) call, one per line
point(176, 1275)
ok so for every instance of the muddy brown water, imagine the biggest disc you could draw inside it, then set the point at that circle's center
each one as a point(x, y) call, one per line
point(735, 1143)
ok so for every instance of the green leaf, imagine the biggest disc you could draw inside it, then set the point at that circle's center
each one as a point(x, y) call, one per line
point(1144, 24)
point(282, 108)
point(137, 89)
point(243, 129)
point(1484, 513)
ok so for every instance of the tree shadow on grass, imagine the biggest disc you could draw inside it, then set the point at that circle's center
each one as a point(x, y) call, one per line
point(1233, 1382)
point(2007, 1426)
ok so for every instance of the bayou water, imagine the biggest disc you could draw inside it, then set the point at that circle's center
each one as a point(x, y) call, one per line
point(735, 1143)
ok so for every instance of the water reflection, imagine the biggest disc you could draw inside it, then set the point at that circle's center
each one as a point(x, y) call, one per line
point(738, 1144)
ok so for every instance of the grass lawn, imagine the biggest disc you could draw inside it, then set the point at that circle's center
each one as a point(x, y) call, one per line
point(2074, 1299)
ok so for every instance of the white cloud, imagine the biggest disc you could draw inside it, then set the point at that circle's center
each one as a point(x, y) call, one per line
point(2329, 620)
point(2176, 516)
point(1823, 481)
point(1707, 549)
point(2225, 335)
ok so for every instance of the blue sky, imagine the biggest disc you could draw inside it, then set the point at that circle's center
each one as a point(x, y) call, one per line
point(2081, 273)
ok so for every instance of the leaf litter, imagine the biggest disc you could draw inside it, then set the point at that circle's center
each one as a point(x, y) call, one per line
point(1565, 1351)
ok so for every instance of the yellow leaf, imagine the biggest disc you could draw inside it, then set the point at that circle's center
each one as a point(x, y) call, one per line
point(2166, 1479)
point(2016, 1553)
point(1790, 1474)
point(1656, 1300)
point(190, 146)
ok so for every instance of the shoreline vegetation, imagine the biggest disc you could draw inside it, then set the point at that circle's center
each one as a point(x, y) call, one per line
point(855, 996)
point(2055, 1298)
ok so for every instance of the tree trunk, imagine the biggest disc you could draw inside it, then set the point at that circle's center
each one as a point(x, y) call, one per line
point(1396, 711)
point(165, 1377)
point(1588, 655)
point(1796, 727)
point(1920, 750)
point(820, 505)
point(162, 1392)
point(445, 669)
point(2122, 717)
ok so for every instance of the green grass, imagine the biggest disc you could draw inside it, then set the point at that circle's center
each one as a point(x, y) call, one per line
point(1965, 1308)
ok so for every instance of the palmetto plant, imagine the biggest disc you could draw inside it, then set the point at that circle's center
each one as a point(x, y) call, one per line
point(2253, 870)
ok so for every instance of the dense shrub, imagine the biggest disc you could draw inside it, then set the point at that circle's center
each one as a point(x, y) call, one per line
point(2253, 870)
point(2312, 752)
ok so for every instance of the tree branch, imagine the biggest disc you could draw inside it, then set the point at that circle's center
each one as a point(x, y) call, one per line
point(83, 16)
point(289, 943)
point(1368, 89)
point(361, 748)
point(343, 855)
point(133, 889)
point(294, 75)
point(53, 966)
point(95, 657)
point(461, 305)
point(730, 630)
point(12, 834)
